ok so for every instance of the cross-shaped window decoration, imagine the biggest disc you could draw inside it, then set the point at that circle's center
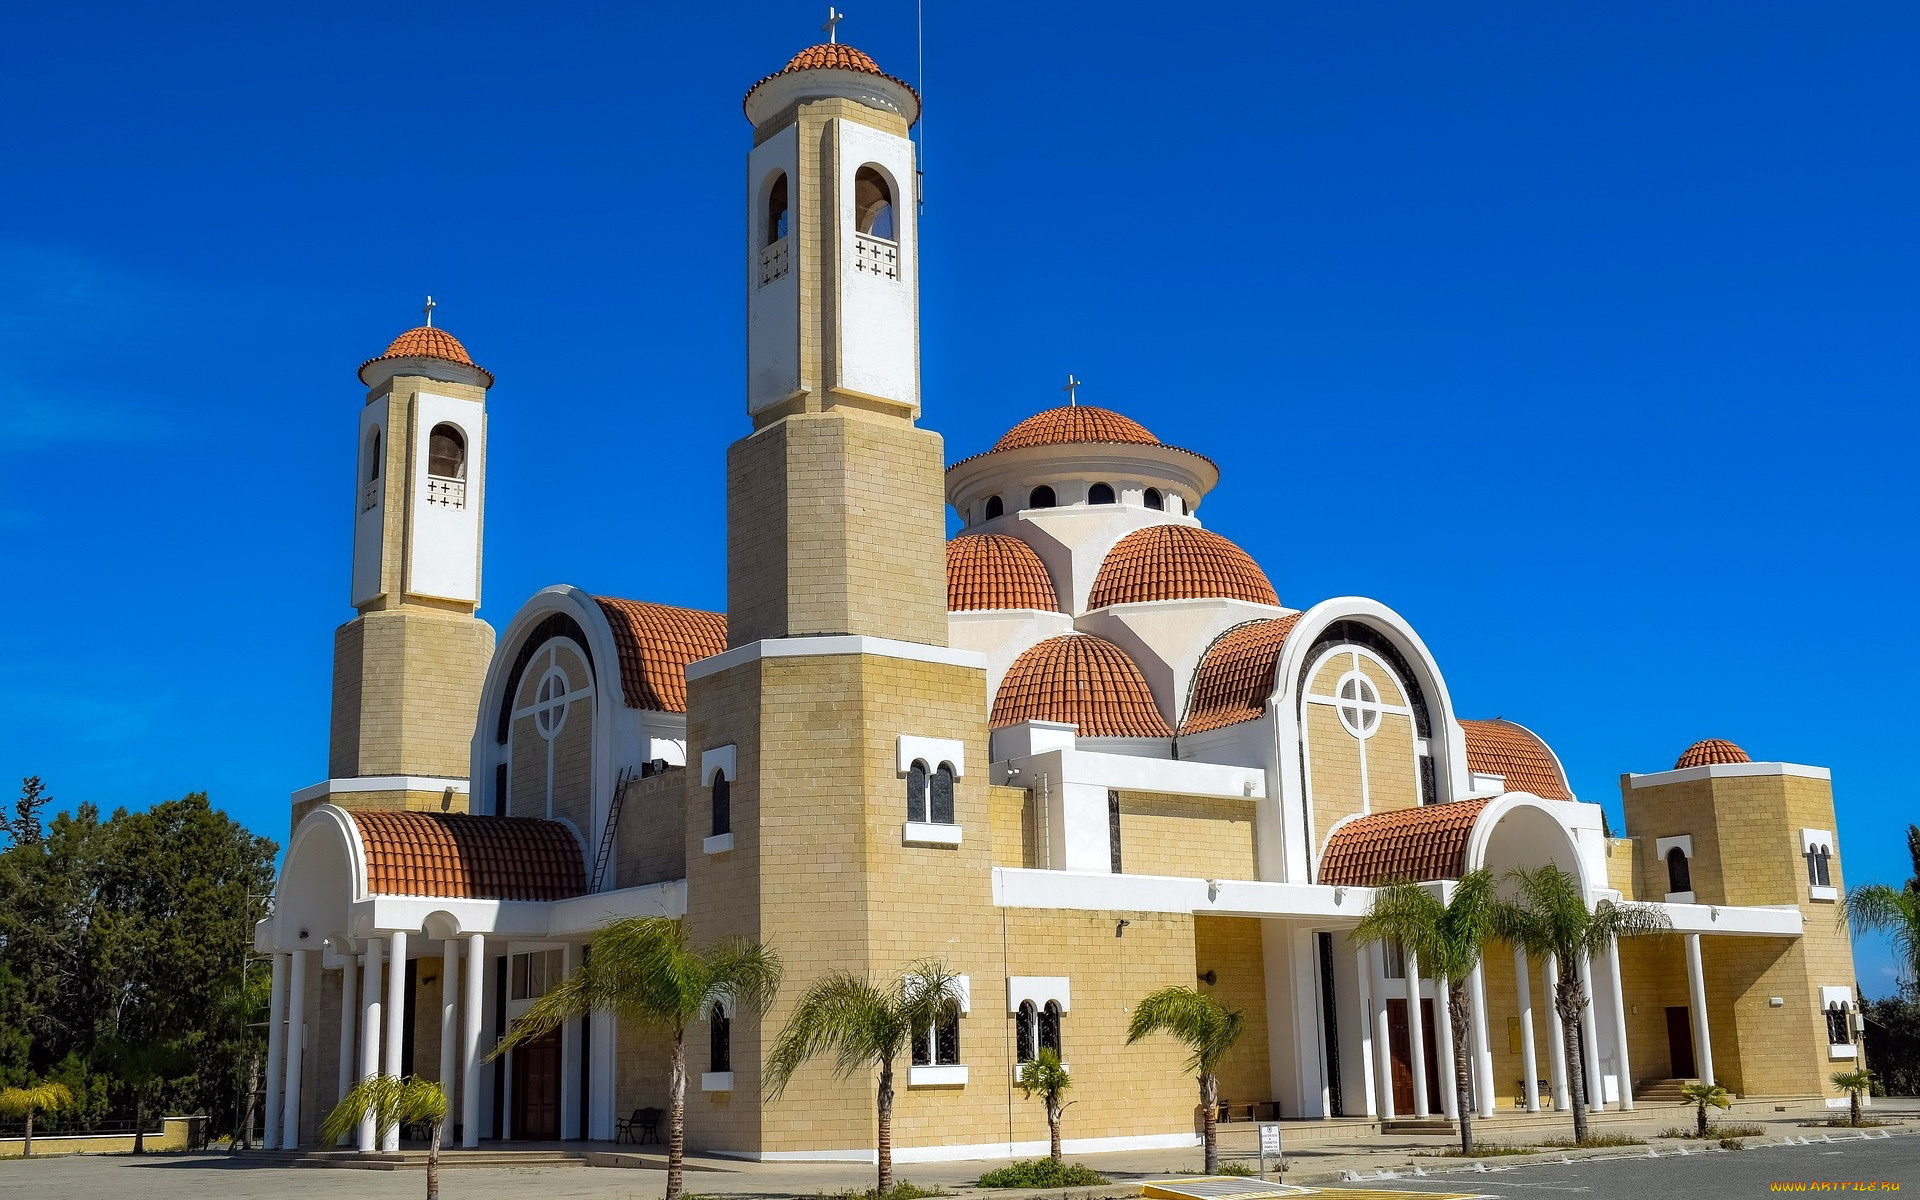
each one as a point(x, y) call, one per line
point(1359, 705)
point(550, 703)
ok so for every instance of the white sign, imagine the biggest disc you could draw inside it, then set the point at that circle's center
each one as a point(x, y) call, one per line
point(1269, 1141)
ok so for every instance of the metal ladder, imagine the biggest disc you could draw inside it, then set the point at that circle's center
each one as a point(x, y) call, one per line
point(613, 825)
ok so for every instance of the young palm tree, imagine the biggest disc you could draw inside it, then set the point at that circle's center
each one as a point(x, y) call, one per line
point(392, 1100)
point(1885, 909)
point(35, 1097)
point(141, 1065)
point(1209, 1029)
point(1447, 939)
point(1853, 1083)
point(1700, 1095)
point(1044, 1076)
point(865, 1025)
point(1549, 915)
point(644, 970)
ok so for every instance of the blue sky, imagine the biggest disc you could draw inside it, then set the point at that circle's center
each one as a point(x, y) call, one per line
point(1582, 335)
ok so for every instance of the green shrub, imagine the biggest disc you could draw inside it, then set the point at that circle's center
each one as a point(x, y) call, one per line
point(903, 1190)
point(1239, 1168)
point(1594, 1141)
point(1731, 1143)
point(1723, 1132)
point(1042, 1173)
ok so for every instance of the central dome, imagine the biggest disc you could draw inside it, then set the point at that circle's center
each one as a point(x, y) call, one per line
point(1075, 423)
point(1178, 562)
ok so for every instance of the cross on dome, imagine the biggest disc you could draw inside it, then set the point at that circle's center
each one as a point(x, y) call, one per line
point(831, 28)
point(428, 309)
point(1072, 390)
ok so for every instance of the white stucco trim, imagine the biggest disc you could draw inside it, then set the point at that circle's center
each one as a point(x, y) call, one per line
point(1783, 920)
point(929, 833)
point(716, 1081)
point(833, 644)
point(1038, 990)
point(380, 783)
point(1024, 887)
point(720, 758)
point(952, 1076)
point(1132, 773)
point(982, 1150)
point(576, 918)
point(1729, 771)
point(932, 751)
point(719, 843)
point(1662, 845)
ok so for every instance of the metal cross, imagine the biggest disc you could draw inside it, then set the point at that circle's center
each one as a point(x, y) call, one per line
point(834, 17)
point(1072, 390)
point(429, 311)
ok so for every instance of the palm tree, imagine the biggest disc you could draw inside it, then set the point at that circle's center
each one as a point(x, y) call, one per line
point(392, 1100)
point(23, 1102)
point(865, 1025)
point(646, 971)
point(1853, 1083)
point(1895, 912)
point(141, 1065)
point(1209, 1029)
point(1700, 1095)
point(1447, 938)
point(1045, 1077)
point(1549, 915)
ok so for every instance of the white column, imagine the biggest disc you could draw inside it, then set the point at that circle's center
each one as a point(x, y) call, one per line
point(570, 1059)
point(470, 1054)
point(276, 1050)
point(1556, 1033)
point(1529, 1059)
point(1382, 1038)
point(369, 1033)
point(449, 1026)
point(1590, 1038)
point(349, 1012)
point(296, 1020)
point(1483, 1089)
point(1443, 1048)
point(396, 1019)
point(1697, 993)
point(1364, 991)
point(1417, 1037)
point(1619, 1026)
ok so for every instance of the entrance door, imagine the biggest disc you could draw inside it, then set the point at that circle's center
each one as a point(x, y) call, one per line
point(1680, 1043)
point(1400, 1045)
point(536, 1089)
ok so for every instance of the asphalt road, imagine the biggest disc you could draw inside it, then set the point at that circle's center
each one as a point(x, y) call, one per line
point(1880, 1164)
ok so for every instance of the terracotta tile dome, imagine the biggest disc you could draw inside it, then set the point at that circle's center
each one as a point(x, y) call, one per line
point(1709, 751)
point(428, 342)
point(468, 856)
point(655, 643)
point(1499, 747)
point(1075, 423)
point(834, 56)
point(996, 570)
point(1236, 675)
point(1178, 562)
point(1429, 842)
point(1081, 680)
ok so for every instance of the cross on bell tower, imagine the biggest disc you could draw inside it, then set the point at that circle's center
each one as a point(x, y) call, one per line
point(832, 27)
point(1072, 390)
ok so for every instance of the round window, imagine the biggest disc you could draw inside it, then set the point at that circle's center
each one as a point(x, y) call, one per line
point(550, 703)
point(1359, 704)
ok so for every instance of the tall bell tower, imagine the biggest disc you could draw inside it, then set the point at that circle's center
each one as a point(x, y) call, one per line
point(408, 669)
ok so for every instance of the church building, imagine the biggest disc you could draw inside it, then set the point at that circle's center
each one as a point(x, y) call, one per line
point(1081, 751)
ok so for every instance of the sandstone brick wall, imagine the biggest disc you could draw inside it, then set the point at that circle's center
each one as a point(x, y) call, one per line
point(406, 693)
point(651, 846)
point(1199, 836)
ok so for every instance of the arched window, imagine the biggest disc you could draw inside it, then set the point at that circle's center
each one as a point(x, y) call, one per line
point(1837, 1032)
point(722, 804)
point(1100, 493)
point(1025, 1032)
point(940, 805)
point(1822, 866)
point(373, 457)
point(1042, 497)
point(1679, 877)
point(777, 209)
point(994, 507)
point(447, 452)
point(872, 204)
point(1050, 1027)
point(917, 791)
point(939, 1046)
point(719, 1040)
point(1152, 498)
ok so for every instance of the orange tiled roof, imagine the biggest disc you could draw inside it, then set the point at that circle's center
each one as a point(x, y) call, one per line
point(1082, 680)
point(470, 857)
point(1503, 748)
point(1712, 750)
point(1429, 842)
point(428, 342)
point(1178, 562)
point(834, 56)
point(1236, 675)
point(655, 643)
point(996, 570)
point(1075, 423)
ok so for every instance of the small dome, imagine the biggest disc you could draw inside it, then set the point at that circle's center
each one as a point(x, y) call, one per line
point(834, 56)
point(1178, 562)
point(1236, 675)
point(1712, 750)
point(996, 570)
point(428, 342)
point(1517, 754)
point(1080, 680)
point(1075, 423)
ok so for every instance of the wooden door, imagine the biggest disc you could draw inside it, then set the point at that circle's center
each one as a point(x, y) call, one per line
point(1400, 1046)
point(536, 1089)
point(1680, 1043)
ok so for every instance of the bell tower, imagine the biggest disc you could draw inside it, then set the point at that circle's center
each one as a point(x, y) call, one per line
point(407, 671)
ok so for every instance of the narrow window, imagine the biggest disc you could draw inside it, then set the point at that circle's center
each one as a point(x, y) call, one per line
point(994, 507)
point(1042, 497)
point(373, 457)
point(1025, 1024)
point(1822, 859)
point(941, 804)
point(1050, 1027)
point(777, 209)
point(872, 204)
point(1679, 877)
point(722, 804)
point(1396, 964)
point(946, 1041)
point(447, 452)
point(719, 1040)
point(917, 791)
point(1152, 498)
point(1837, 1032)
point(1113, 831)
point(1100, 493)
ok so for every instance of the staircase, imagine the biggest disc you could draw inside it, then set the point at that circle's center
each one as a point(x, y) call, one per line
point(1660, 1091)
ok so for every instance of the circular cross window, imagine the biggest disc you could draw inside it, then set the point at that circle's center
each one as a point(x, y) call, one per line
point(1359, 704)
point(550, 703)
